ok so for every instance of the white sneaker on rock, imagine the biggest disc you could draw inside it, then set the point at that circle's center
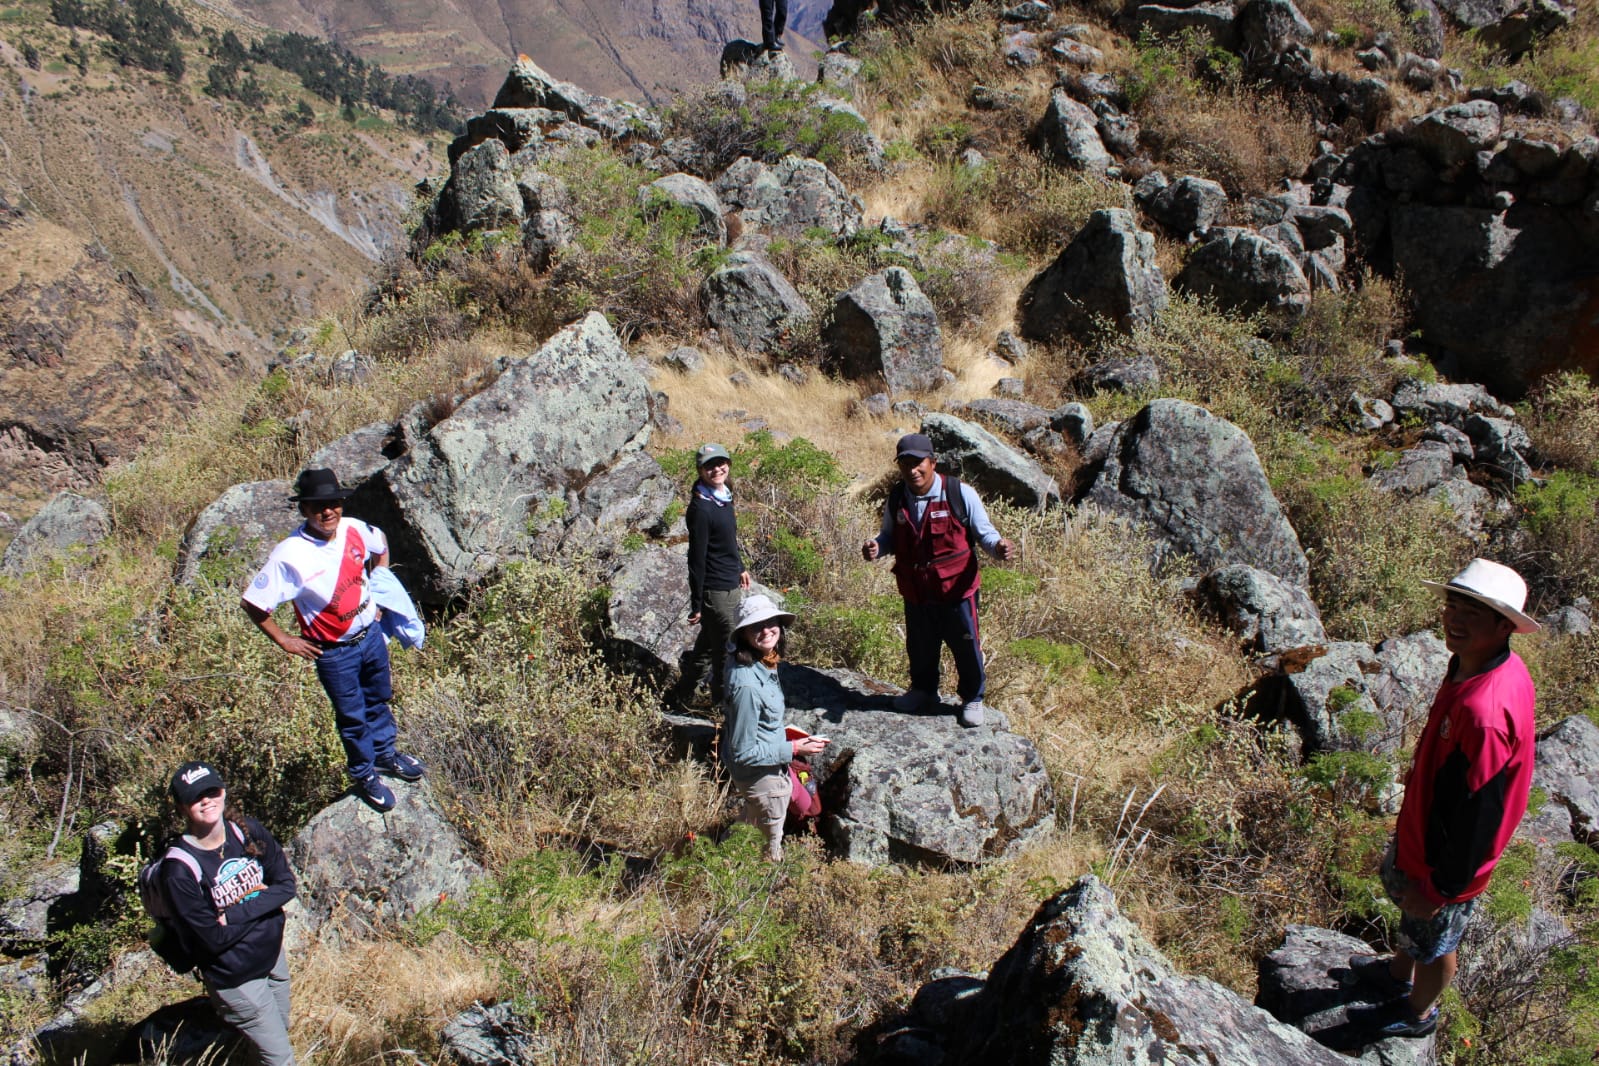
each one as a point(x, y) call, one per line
point(972, 713)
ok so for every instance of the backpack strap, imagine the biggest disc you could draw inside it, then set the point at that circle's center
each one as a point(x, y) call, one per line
point(182, 855)
point(957, 507)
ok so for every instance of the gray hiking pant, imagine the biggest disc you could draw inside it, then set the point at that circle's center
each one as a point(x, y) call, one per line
point(259, 1010)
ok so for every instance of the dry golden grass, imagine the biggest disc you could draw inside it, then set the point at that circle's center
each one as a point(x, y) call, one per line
point(368, 1000)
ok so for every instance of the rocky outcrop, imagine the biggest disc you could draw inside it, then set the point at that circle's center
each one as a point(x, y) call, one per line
point(1069, 134)
point(1107, 274)
point(1307, 983)
point(236, 532)
point(752, 305)
point(1196, 482)
point(1268, 614)
point(37, 908)
point(67, 523)
point(1566, 767)
point(916, 788)
point(789, 197)
point(1345, 695)
point(1487, 225)
point(548, 458)
point(491, 1036)
point(648, 608)
point(363, 869)
point(1246, 272)
point(1186, 206)
point(692, 194)
point(356, 456)
point(529, 86)
point(991, 466)
point(1082, 986)
point(1510, 25)
point(885, 328)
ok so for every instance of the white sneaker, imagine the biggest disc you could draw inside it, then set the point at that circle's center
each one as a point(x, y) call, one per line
point(913, 700)
point(972, 713)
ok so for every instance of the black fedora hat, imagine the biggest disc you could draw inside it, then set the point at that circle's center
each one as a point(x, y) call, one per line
point(313, 486)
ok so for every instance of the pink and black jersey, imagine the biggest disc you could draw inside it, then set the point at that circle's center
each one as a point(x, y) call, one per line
point(1468, 784)
point(325, 579)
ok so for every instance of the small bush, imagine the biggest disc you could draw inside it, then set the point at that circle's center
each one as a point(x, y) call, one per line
point(775, 119)
point(1200, 118)
point(1562, 516)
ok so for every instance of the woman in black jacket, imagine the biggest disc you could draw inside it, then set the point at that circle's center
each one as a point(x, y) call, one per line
point(227, 881)
point(716, 575)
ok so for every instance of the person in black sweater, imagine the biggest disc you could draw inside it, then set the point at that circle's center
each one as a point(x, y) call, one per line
point(716, 575)
point(227, 906)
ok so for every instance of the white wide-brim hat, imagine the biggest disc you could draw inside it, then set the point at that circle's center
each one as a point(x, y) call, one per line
point(1494, 584)
point(759, 608)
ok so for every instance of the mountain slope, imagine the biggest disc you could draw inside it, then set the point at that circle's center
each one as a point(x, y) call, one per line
point(146, 215)
point(637, 49)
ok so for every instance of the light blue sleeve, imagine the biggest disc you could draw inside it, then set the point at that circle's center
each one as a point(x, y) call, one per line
point(755, 721)
point(982, 528)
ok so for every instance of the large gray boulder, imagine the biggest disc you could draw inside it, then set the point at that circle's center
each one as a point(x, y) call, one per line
point(648, 608)
point(529, 86)
point(21, 741)
point(1417, 470)
point(1566, 767)
point(1511, 25)
point(885, 327)
point(693, 194)
point(1446, 403)
point(235, 533)
point(491, 1036)
point(355, 456)
point(66, 522)
point(1069, 133)
point(916, 788)
point(38, 907)
point(1106, 274)
point(1264, 25)
point(1345, 695)
point(1187, 205)
point(1244, 271)
point(1082, 986)
point(988, 464)
point(548, 459)
point(789, 197)
point(1196, 482)
point(1016, 417)
point(1216, 19)
point(483, 187)
point(361, 869)
point(752, 305)
point(1268, 614)
point(1302, 983)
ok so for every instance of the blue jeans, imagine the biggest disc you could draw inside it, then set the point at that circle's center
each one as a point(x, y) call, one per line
point(356, 678)
point(928, 627)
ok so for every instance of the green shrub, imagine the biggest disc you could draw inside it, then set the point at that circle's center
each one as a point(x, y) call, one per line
point(776, 118)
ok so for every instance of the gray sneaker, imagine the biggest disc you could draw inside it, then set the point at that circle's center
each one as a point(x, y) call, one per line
point(914, 700)
point(972, 713)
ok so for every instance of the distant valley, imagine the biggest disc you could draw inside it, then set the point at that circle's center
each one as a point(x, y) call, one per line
point(642, 50)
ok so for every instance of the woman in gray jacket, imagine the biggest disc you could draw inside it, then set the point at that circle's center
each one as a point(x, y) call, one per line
point(756, 751)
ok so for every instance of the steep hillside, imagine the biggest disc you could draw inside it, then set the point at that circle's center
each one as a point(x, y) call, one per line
point(639, 49)
point(210, 229)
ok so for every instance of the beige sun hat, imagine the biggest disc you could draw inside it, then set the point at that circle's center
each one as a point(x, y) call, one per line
point(1494, 584)
point(759, 608)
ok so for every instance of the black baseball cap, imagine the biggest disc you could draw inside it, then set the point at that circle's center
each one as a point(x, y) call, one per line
point(193, 780)
point(915, 445)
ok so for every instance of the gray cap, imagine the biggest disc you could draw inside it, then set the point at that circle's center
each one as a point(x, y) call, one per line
point(709, 453)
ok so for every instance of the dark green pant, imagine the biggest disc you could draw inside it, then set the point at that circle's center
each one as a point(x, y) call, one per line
point(717, 622)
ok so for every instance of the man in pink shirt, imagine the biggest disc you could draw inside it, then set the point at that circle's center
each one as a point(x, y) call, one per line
point(1464, 795)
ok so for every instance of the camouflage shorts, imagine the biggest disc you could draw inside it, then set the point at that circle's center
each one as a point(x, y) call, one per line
point(1424, 939)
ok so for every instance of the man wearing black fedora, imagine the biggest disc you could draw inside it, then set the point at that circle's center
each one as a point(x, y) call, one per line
point(322, 568)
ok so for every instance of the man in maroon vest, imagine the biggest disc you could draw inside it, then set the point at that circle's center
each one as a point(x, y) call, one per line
point(930, 526)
